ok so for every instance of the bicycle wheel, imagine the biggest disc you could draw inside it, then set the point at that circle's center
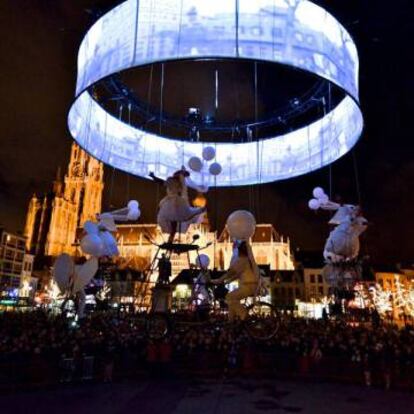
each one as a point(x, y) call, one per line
point(262, 322)
point(157, 326)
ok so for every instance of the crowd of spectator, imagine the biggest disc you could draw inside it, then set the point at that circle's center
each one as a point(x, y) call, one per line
point(384, 354)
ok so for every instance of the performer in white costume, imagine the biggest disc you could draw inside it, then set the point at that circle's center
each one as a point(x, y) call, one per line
point(97, 242)
point(175, 212)
point(343, 242)
point(342, 246)
point(245, 270)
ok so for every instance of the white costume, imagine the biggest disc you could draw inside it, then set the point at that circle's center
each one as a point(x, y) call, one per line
point(97, 242)
point(343, 242)
point(175, 207)
point(342, 246)
point(245, 270)
point(72, 279)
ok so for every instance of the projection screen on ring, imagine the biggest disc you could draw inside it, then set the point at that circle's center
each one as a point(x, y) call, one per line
point(295, 33)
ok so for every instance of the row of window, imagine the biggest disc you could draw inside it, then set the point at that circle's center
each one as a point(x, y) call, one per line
point(11, 254)
point(296, 292)
point(316, 291)
point(9, 268)
point(289, 292)
point(313, 278)
point(9, 240)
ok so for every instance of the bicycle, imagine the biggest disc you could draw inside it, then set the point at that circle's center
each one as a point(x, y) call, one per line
point(261, 324)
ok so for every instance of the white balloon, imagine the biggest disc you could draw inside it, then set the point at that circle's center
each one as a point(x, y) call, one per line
point(90, 227)
point(209, 153)
point(84, 274)
point(195, 164)
point(62, 271)
point(92, 244)
point(203, 261)
point(110, 244)
point(241, 225)
point(134, 215)
point(318, 192)
point(324, 199)
point(133, 205)
point(215, 169)
point(314, 204)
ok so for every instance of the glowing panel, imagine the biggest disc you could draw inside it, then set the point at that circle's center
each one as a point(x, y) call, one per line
point(292, 32)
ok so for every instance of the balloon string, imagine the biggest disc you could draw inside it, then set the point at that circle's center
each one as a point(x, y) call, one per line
point(215, 219)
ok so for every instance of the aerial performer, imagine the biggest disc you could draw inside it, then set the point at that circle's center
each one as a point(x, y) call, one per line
point(243, 268)
point(175, 213)
point(342, 247)
point(97, 242)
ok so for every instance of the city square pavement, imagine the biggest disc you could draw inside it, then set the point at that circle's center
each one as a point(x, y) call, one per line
point(228, 396)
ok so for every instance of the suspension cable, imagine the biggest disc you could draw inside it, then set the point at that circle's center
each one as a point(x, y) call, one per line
point(256, 192)
point(330, 165)
point(161, 97)
point(111, 188)
point(128, 175)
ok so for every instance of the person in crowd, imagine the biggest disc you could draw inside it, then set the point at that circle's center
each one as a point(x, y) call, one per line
point(109, 361)
point(40, 338)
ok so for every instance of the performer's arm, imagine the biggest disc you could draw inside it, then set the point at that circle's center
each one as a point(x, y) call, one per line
point(200, 188)
point(227, 277)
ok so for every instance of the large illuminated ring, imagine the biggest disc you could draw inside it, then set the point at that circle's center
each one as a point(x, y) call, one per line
point(291, 32)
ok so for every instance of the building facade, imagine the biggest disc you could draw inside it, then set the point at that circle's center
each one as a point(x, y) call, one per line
point(138, 246)
point(15, 264)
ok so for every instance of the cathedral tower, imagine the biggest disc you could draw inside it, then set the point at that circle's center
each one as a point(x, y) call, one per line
point(52, 221)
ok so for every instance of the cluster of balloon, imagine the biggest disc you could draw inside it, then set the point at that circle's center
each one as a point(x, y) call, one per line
point(203, 261)
point(134, 212)
point(196, 164)
point(241, 225)
point(320, 199)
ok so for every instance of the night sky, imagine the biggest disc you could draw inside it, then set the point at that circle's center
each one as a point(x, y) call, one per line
point(39, 41)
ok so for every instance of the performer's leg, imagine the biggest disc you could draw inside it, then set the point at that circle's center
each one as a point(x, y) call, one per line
point(236, 309)
point(173, 231)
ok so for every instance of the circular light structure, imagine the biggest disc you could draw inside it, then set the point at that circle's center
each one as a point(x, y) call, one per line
point(296, 33)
